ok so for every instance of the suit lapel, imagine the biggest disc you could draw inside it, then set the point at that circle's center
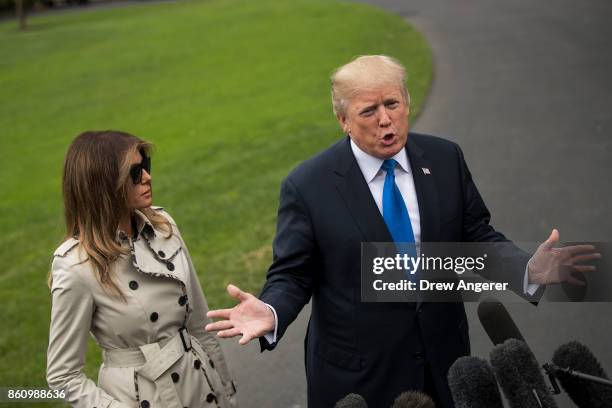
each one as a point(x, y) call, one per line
point(427, 194)
point(357, 196)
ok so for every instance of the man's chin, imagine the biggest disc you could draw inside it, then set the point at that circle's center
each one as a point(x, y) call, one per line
point(386, 152)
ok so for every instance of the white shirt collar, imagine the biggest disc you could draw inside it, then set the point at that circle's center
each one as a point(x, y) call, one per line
point(370, 165)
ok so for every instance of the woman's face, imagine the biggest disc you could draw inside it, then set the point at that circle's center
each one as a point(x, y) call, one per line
point(140, 195)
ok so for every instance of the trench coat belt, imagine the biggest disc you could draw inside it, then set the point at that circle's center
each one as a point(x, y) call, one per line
point(153, 361)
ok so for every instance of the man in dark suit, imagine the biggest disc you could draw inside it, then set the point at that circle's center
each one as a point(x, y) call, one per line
point(379, 184)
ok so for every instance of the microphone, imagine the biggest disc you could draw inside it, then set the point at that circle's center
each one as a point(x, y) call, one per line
point(352, 401)
point(584, 392)
point(413, 399)
point(473, 385)
point(497, 322)
point(519, 375)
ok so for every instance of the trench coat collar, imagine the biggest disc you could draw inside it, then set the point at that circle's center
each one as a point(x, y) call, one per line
point(143, 226)
point(153, 252)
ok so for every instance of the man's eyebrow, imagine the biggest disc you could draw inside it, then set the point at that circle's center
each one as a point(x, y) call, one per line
point(368, 106)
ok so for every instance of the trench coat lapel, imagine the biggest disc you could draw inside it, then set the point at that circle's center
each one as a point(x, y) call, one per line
point(154, 254)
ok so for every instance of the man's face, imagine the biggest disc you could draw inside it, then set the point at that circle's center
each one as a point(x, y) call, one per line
point(377, 121)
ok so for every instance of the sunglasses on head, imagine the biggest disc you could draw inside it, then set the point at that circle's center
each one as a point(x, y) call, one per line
point(136, 169)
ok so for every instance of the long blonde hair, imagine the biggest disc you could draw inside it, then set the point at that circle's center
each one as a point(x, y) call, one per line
point(95, 189)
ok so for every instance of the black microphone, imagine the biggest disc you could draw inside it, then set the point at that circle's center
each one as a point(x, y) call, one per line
point(584, 393)
point(497, 322)
point(413, 399)
point(519, 376)
point(473, 385)
point(352, 401)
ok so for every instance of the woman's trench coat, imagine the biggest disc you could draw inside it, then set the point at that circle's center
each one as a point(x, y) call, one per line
point(155, 349)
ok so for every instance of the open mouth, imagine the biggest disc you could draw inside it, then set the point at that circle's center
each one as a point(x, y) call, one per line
point(388, 138)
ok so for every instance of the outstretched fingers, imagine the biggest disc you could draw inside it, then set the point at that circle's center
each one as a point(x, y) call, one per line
point(220, 325)
point(237, 293)
point(233, 332)
point(219, 313)
point(584, 257)
point(577, 249)
point(246, 337)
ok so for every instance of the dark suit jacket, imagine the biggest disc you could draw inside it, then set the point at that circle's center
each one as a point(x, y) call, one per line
point(377, 350)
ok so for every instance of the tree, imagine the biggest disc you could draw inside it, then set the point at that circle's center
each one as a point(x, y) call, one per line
point(21, 15)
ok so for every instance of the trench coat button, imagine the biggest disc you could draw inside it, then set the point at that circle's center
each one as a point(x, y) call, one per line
point(419, 355)
point(145, 404)
point(175, 377)
point(212, 363)
point(161, 254)
point(197, 364)
point(170, 266)
point(211, 397)
point(182, 300)
point(133, 285)
point(154, 316)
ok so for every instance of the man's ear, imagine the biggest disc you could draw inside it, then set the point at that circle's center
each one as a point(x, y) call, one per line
point(343, 123)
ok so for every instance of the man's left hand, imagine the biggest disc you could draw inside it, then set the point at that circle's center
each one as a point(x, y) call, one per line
point(555, 265)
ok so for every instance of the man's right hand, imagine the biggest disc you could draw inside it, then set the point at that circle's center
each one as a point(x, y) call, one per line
point(251, 317)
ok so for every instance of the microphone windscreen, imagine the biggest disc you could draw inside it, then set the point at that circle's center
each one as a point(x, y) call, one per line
point(497, 322)
point(584, 393)
point(352, 401)
point(519, 376)
point(413, 399)
point(473, 385)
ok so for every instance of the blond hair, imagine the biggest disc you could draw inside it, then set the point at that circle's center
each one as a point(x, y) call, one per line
point(366, 72)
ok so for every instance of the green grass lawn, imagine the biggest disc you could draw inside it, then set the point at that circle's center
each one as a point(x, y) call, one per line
point(233, 93)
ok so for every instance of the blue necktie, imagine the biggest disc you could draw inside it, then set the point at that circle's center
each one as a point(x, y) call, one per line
point(394, 209)
point(396, 215)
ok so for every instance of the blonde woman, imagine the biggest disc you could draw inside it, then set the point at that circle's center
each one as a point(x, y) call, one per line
point(124, 275)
